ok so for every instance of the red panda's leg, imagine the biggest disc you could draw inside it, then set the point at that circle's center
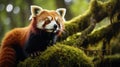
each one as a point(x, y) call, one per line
point(7, 57)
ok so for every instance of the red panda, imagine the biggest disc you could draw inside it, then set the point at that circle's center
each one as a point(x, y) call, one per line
point(44, 28)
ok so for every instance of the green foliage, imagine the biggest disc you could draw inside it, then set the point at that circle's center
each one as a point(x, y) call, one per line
point(59, 56)
point(110, 61)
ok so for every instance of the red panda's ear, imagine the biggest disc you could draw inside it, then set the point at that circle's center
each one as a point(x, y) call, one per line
point(61, 12)
point(34, 11)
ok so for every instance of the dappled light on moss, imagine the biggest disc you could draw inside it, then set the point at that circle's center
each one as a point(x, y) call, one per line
point(71, 39)
point(60, 56)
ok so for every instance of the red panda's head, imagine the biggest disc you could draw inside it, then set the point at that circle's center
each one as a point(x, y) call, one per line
point(48, 20)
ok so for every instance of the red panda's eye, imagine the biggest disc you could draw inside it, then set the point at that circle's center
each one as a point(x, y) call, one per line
point(47, 21)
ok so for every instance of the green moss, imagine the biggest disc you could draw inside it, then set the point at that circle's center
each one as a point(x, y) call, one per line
point(106, 33)
point(71, 39)
point(115, 44)
point(110, 61)
point(71, 28)
point(28, 63)
point(60, 56)
point(97, 11)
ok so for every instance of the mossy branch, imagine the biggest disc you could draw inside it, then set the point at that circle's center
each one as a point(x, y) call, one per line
point(84, 24)
point(97, 11)
point(106, 33)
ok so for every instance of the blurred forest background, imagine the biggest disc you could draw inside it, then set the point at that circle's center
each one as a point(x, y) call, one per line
point(15, 13)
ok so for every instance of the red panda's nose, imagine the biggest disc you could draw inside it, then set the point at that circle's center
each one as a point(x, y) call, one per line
point(55, 26)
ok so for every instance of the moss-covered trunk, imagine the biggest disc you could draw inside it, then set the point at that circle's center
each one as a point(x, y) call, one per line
point(97, 11)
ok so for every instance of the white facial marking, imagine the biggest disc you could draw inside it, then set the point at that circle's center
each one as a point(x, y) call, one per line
point(50, 26)
point(40, 24)
point(49, 30)
point(49, 17)
point(56, 18)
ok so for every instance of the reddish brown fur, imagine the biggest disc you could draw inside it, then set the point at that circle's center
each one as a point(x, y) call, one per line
point(7, 53)
point(18, 36)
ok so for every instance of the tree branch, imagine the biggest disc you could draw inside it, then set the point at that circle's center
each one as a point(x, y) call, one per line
point(97, 11)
